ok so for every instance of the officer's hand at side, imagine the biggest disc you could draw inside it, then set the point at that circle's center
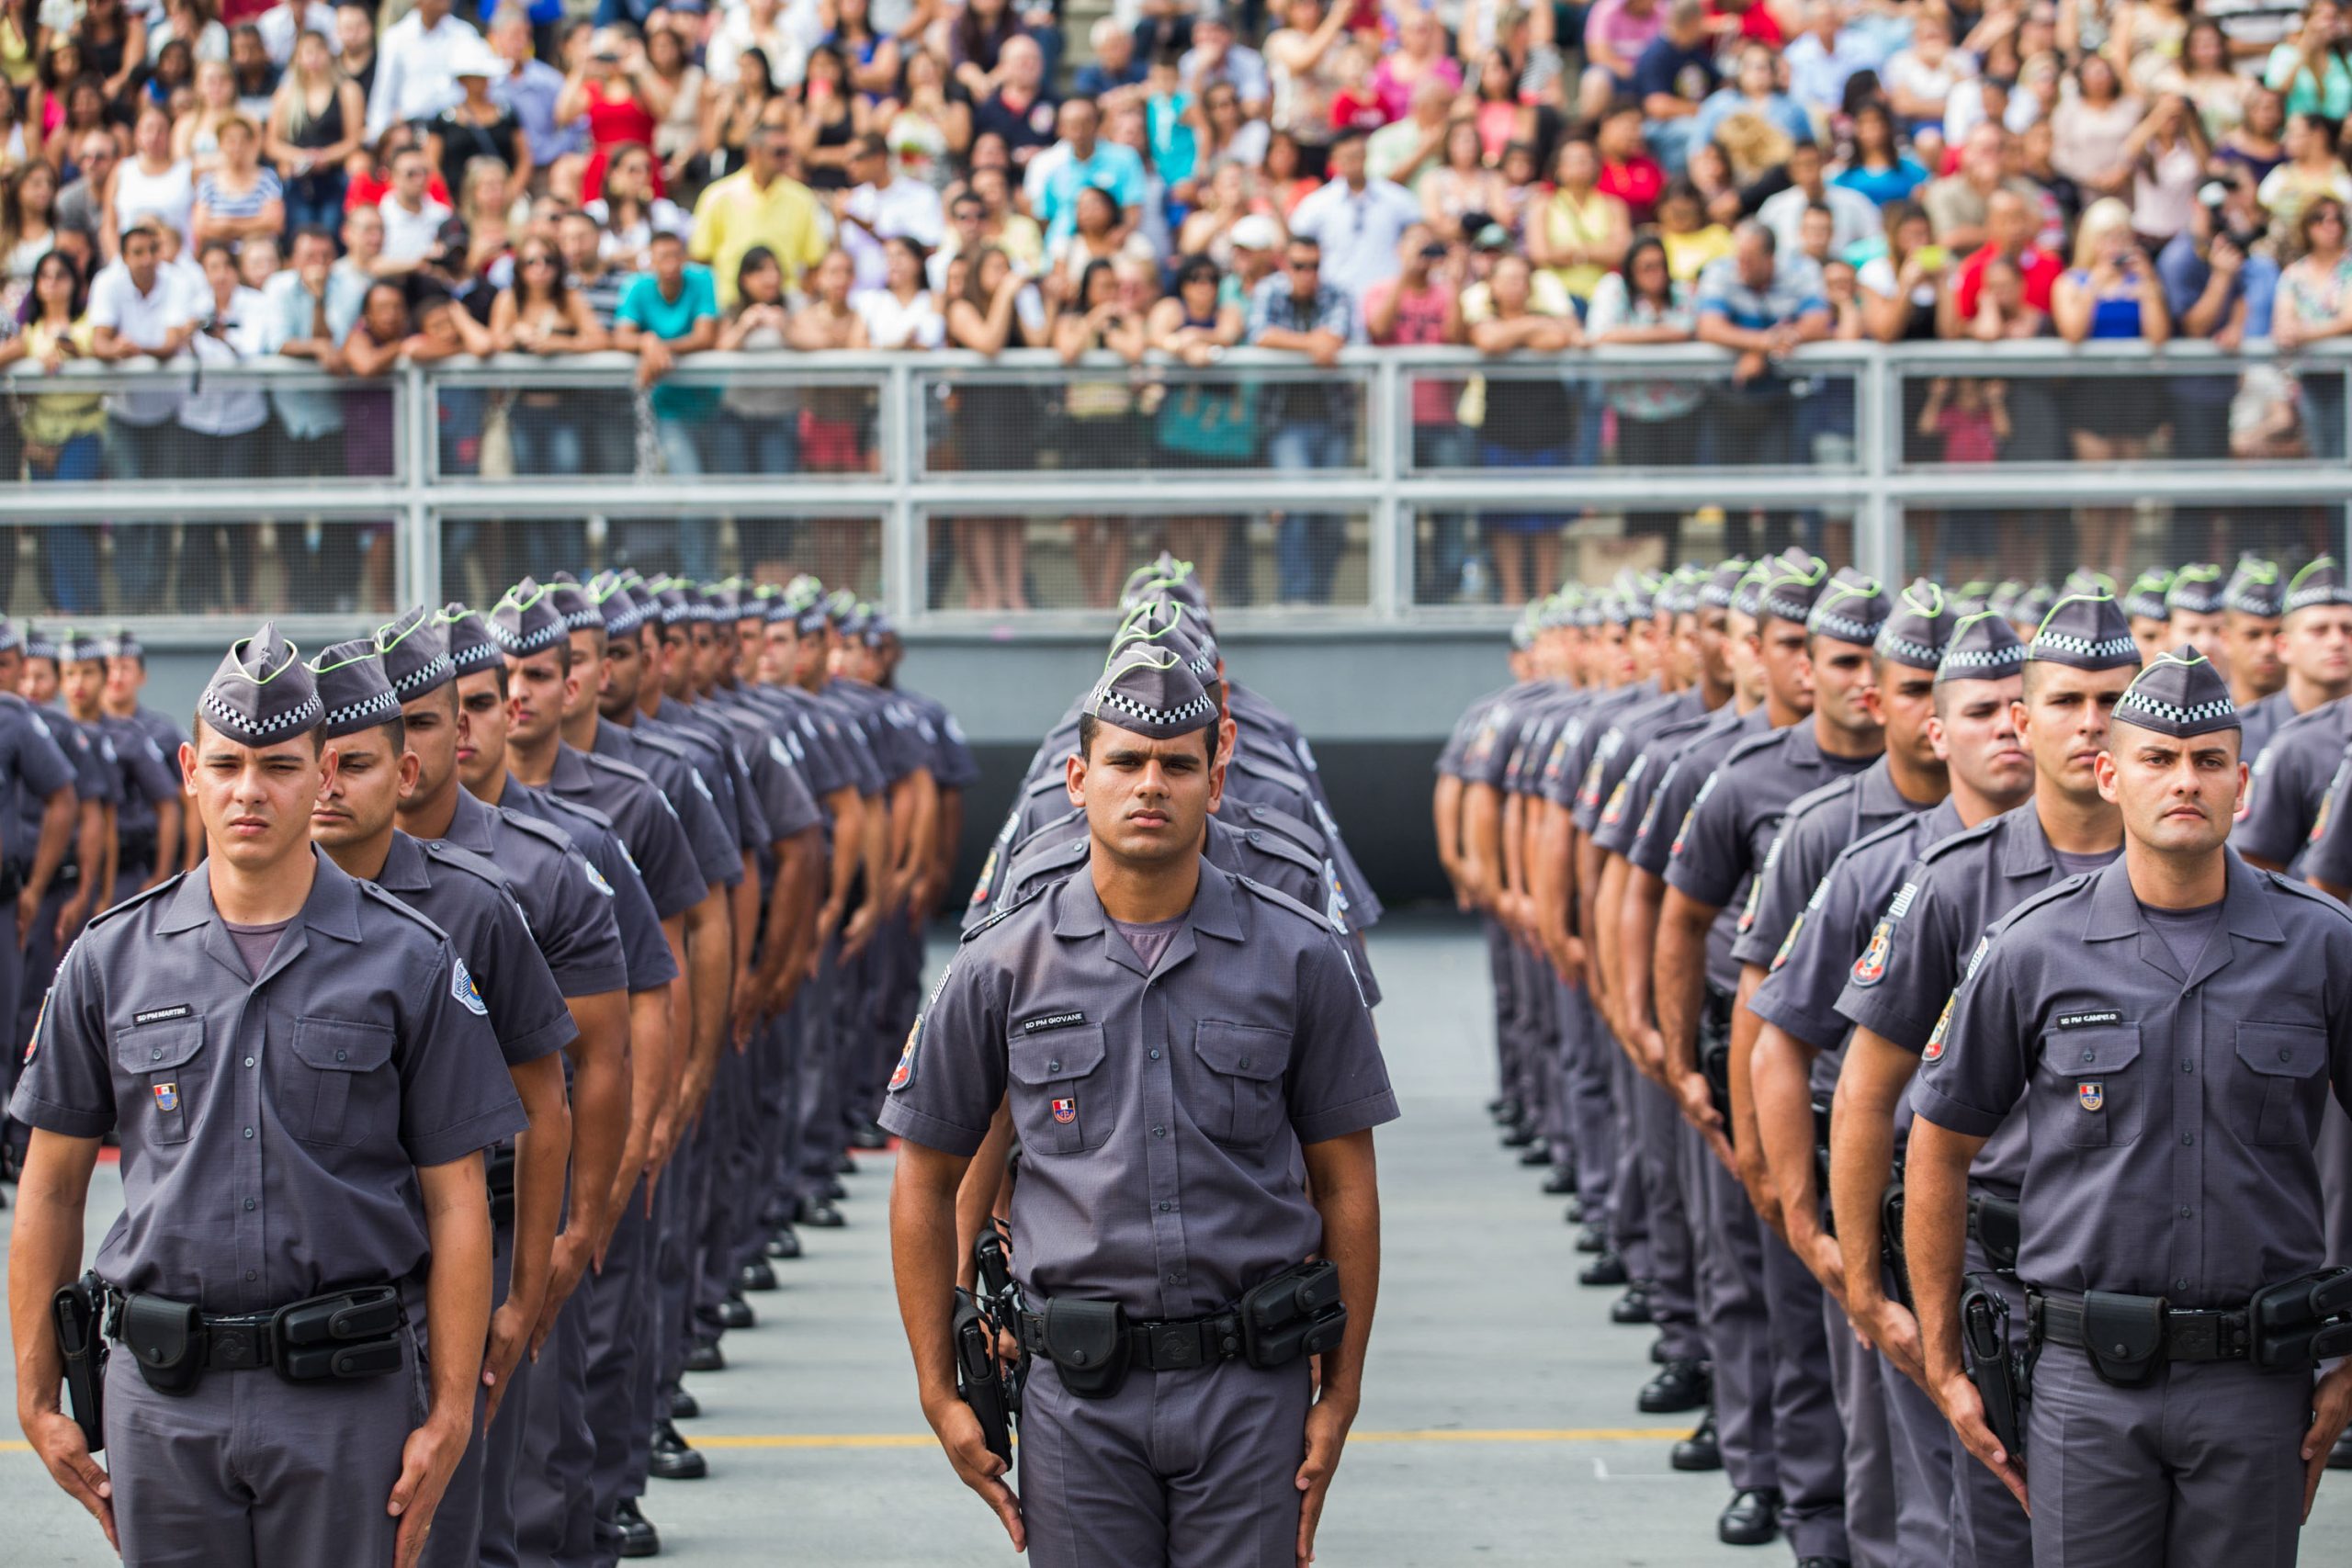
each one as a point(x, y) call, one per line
point(2332, 1408)
point(1699, 1109)
point(1326, 1432)
point(1820, 1254)
point(1650, 1055)
point(1896, 1332)
point(1763, 1194)
point(27, 908)
point(428, 1460)
point(1964, 1408)
point(976, 1467)
point(571, 1260)
point(62, 1448)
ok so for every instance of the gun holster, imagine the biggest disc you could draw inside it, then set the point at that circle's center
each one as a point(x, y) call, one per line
point(1087, 1343)
point(79, 1309)
point(2123, 1337)
point(1890, 1244)
point(979, 1379)
point(1297, 1313)
point(1821, 1167)
point(1998, 1374)
point(166, 1337)
point(501, 1173)
point(2303, 1322)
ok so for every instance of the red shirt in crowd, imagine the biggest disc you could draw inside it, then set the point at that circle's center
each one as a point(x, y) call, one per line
point(1421, 319)
point(1637, 184)
point(370, 191)
point(2039, 267)
point(1357, 109)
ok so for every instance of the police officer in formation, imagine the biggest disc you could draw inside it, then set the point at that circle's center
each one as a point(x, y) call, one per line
point(567, 945)
point(1825, 812)
point(1162, 1009)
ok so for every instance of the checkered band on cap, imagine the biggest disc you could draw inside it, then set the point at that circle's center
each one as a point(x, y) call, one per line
point(2254, 589)
point(2145, 602)
point(471, 647)
point(262, 692)
point(2179, 693)
point(1151, 692)
point(12, 636)
point(2197, 590)
point(355, 688)
point(1984, 647)
point(524, 621)
point(2320, 582)
point(2086, 631)
point(1722, 584)
point(2083, 580)
point(1849, 608)
point(1917, 627)
point(572, 603)
point(39, 644)
point(79, 647)
point(1794, 582)
point(415, 654)
point(616, 605)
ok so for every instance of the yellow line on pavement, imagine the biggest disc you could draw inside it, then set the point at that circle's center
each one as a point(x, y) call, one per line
point(924, 1439)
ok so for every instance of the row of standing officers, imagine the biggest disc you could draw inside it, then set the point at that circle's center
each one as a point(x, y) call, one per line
point(531, 975)
point(1938, 1009)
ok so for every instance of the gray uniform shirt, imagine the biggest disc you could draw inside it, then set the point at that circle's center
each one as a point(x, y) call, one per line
point(716, 839)
point(2288, 784)
point(474, 905)
point(1161, 1116)
point(270, 1126)
point(1818, 827)
point(645, 822)
point(647, 962)
point(2170, 1113)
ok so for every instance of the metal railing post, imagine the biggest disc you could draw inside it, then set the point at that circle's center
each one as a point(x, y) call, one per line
point(902, 550)
point(417, 568)
point(1387, 557)
point(1878, 530)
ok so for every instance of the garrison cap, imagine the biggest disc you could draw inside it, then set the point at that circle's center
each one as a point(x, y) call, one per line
point(471, 647)
point(1984, 647)
point(1164, 570)
point(1793, 581)
point(852, 624)
point(2320, 582)
point(1637, 595)
point(576, 606)
point(1917, 627)
point(1724, 582)
point(1149, 692)
point(2002, 600)
point(880, 630)
point(39, 644)
point(1679, 593)
point(2253, 588)
point(79, 644)
point(2145, 600)
point(616, 605)
point(668, 603)
point(840, 606)
point(724, 600)
point(2033, 606)
point(2086, 631)
point(2196, 589)
point(415, 654)
point(12, 636)
point(804, 597)
point(1164, 623)
point(1559, 609)
point(261, 695)
point(122, 644)
point(2180, 695)
point(1748, 595)
point(1183, 587)
point(354, 687)
point(2083, 580)
point(1523, 635)
point(525, 621)
point(1849, 607)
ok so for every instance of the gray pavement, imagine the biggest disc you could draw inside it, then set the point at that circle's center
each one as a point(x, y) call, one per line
point(1498, 1427)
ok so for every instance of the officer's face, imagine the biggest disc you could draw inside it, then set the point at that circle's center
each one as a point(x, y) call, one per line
point(2259, 647)
point(539, 692)
point(2316, 645)
point(432, 723)
point(623, 675)
point(2203, 633)
point(369, 781)
point(255, 801)
point(1788, 669)
point(710, 657)
point(1845, 684)
point(1904, 700)
point(1147, 802)
point(777, 645)
point(126, 678)
point(2063, 717)
point(84, 683)
point(1685, 654)
point(481, 730)
point(1974, 730)
point(677, 658)
point(581, 695)
point(750, 639)
point(809, 659)
point(1742, 659)
point(12, 670)
point(1716, 645)
point(1612, 655)
point(37, 684)
point(2153, 636)
point(2177, 796)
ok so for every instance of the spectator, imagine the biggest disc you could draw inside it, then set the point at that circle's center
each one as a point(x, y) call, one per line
point(2206, 271)
point(1499, 116)
point(190, 25)
point(314, 127)
point(1462, 196)
point(2063, 199)
point(1203, 423)
point(362, 263)
point(1116, 63)
point(1016, 231)
point(678, 136)
point(1226, 134)
point(2093, 130)
point(487, 210)
point(2010, 226)
point(137, 311)
point(1098, 408)
point(1876, 165)
point(2249, 152)
point(20, 137)
point(901, 314)
point(1627, 170)
point(114, 44)
point(2112, 291)
point(222, 425)
point(476, 126)
point(2203, 75)
point(195, 136)
point(542, 315)
point(1019, 111)
point(759, 204)
point(1615, 34)
point(1581, 232)
point(1256, 241)
point(80, 206)
point(587, 271)
point(1824, 57)
point(1214, 57)
point(834, 421)
point(1853, 218)
point(1232, 196)
point(354, 49)
point(1673, 76)
point(1302, 69)
point(2169, 153)
point(65, 433)
point(2314, 304)
point(833, 117)
point(1405, 150)
point(152, 183)
point(1078, 159)
point(933, 129)
point(871, 51)
point(258, 260)
point(884, 204)
point(1900, 287)
point(1354, 222)
point(995, 423)
point(2309, 70)
point(975, 39)
point(284, 23)
point(28, 229)
point(411, 78)
point(530, 89)
point(308, 310)
point(1303, 313)
point(240, 200)
point(760, 422)
point(1761, 307)
point(412, 220)
point(1755, 91)
point(615, 88)
point(1659, 423)
point(756, 26)
point(629, 213)
point(2311, 170)
point(670, 312)
point(1919, 80)
point(252, 72)
point(1692, 242)
point(1524, 421)
point(1097, 238)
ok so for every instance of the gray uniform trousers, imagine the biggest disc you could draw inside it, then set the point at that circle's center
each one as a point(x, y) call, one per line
point(620, 1353)
point(1807, 1436)
point(1591, 1114)
point(2201, 1466)
point(1192, 1469)
point(677, 1211)
point(1872, 1496)
point(819, 1050)
point(895, 996)
point(780, 1111)
point(1988, 1528)
point(1730, 1268)
point(248, 1470)
point(1924, 1476)
point(766, 1120)
point(2334, 1152)
point(1660, 1135)
point(1628, 1213)
point(1500, 971)
point(727, 1175)
point(548, 1511)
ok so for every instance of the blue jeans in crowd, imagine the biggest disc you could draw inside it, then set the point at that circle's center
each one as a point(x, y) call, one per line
point(315, 200)
point(69, 550)
point(140, 452)
point(688, 547)
point(1307, 543)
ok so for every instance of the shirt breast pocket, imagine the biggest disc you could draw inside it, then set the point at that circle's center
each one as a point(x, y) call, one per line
point(338, 1058)
point(2096, 1069)
point(1063, 1104)
point(1241, 1092)
point(166, 1061)
point(2277, 1098)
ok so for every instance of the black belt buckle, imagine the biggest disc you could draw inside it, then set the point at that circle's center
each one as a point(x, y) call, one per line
point(1176, 1347)
point(2205, 1335)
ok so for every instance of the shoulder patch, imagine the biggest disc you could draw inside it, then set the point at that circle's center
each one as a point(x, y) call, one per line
point(462, 987)
point(595, 878)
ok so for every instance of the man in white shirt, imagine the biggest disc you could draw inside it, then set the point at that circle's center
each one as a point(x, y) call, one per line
point(760, 24)
point(1855, 218)
point(413, 218)
point(884, 205)
point(1357, 221)
point(289, 19)
point(413, 79)
point(138, 309)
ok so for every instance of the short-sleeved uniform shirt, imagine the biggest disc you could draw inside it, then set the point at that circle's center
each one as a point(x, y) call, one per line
point(1160, 1114)
point(671, 766)
point(717, 762)
point(1819, 826)
point(644, 821)
point(270, 1125)
point(147, 778)
point(1626, 805)
point(473, 903)
point(2171, 1107)
point(1624, 739)
point(1659, 828)
point(98, 776)
point(33, 767)
point(647, 962)
point(2288, 784)
point(2262, 718)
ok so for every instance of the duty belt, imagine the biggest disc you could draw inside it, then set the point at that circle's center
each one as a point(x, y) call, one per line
point(1160, 1345)
point(2200, 1334)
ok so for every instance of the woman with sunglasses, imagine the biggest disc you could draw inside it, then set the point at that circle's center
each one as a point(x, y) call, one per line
point(65, 433)
point(540, 314)
point(2314, 304)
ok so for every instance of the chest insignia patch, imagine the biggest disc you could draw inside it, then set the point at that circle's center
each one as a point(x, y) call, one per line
point(1944, 1027)
point(1053, 1020)
point(1870, 967)
point(1065, 1111)
point(988, 876)
point(163, 1015)
point(2087, 1020)
point(1747, 911)
point(167, 1097)
point(2090, 1096)
point(904, 1073)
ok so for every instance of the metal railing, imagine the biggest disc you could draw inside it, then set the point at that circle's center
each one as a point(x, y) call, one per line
point(898, 443)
